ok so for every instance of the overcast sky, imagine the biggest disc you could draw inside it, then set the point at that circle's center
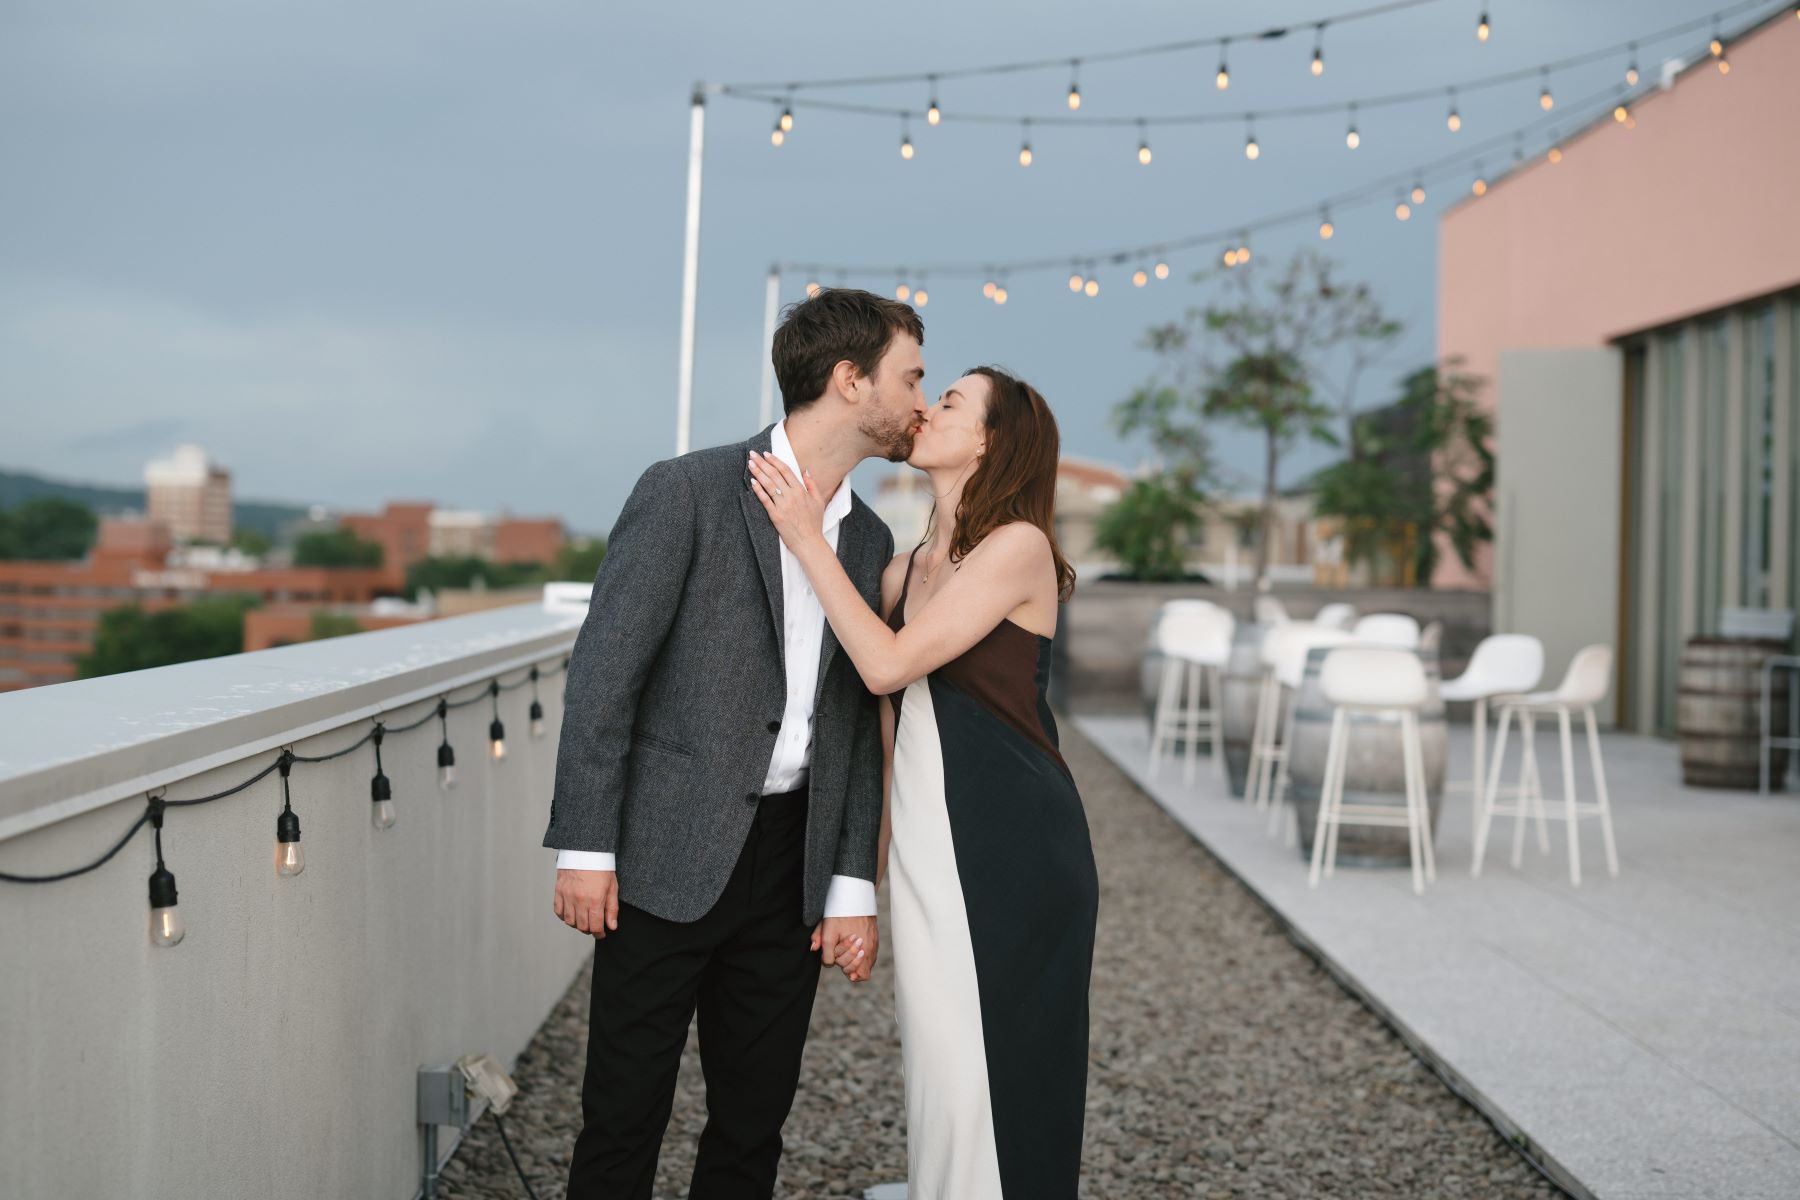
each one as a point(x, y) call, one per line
point(432, 250)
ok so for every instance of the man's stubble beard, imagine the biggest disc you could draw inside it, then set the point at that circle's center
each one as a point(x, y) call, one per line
point(894, 436)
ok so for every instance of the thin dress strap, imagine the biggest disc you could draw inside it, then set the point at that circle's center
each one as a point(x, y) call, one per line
point(905, 584)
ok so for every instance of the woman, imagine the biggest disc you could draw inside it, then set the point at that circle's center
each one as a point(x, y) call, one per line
point(994, 889)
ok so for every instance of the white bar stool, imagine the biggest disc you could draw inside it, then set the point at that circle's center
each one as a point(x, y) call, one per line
point(1387, 629)
point(1336, 615)
point(1504, 664)
point(1266, 748)
point(1290, 672)
point(1270, 611)
point(1195, 639)
point(1582, 687)
point(1379, 681)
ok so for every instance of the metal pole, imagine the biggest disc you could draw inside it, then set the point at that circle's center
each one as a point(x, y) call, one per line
point(771, 301)
point(690, 272)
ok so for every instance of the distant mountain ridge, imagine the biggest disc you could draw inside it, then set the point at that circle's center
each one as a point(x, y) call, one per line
point(16, 487)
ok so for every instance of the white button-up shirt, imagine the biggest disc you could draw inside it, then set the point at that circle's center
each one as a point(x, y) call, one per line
point(803, 633)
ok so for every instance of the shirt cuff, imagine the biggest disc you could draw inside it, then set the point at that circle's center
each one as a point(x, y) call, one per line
point(585, 860)
point(849, 896)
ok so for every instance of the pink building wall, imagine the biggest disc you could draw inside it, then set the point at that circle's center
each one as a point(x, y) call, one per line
point(1695, 208)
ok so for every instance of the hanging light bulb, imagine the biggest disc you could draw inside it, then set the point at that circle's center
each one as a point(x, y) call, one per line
point(920, 297)
point(777, 135)
point(1479, 187)
point(1223, 79)
point(1716, 46)
point(1482, 28)
point(446, 756)
point(1326, 228)
point(902, 292)
point(1025, 144)
point(1230, 257)
point(1162, 270)
point(1621, 113)
point(1402, 210)
point(537, 707)
point(1555, 154)
point(1074, 84)
point(1000, 295)
point(787, 115)
point(989, 288)
point(933, 114)
point(813, 289)
point(1454, 120)
point(1631, 71)
point(290, 859)
point(1418, 192)
point(1353, 139)
point(1243, 253)
point(496, 731)
point(1091, 287)
point(1140, 277)
point(1075, 282)
point(166, 927)
point(1724, 65)
point(1143, 145)
point(1251, 150)
point(1318, 59)
point(1545, 100)
point(381, 792)
point(906, 143)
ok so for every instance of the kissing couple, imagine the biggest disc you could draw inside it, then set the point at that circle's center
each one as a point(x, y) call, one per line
point(768, 714)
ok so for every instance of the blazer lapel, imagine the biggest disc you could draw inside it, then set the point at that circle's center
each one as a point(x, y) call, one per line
point(765, 542)
point(849, 553)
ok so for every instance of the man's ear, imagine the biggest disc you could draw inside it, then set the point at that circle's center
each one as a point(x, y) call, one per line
point(845, 376)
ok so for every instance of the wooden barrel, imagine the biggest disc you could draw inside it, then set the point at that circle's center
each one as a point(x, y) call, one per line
point(1373, 773)
point(1240, 688)
point(1718, 713)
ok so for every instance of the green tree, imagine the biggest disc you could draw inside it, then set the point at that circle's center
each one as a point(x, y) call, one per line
point(253, 542)
point(131, 639)
point(1259, 355)
point(47, 528)
point(438, 573)
point(1148, 528)
point(336, 548)
point(579, 559)
point(328, 624)
point(1420, 467)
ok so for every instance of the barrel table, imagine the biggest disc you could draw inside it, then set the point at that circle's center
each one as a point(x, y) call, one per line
point(1718, 713)
point(1373, 772)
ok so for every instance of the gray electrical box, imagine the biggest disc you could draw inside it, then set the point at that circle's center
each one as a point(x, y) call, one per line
point(443, 1096)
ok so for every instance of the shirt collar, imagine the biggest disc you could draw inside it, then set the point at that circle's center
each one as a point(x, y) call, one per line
point(781, 448)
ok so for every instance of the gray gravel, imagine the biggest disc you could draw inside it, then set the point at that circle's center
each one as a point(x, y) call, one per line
point(1224, 1061)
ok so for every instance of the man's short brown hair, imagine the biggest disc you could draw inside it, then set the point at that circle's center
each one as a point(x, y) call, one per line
point(818, 333)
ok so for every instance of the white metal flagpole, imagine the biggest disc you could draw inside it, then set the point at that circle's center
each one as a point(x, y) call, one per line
point(690, 273)
point(771, 302)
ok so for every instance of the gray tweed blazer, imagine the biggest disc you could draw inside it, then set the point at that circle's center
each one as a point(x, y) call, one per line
point(676, 688)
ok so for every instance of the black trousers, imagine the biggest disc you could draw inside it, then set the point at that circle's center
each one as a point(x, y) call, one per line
point(747, 966)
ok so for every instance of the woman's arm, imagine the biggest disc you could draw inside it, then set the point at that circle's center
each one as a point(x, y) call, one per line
point(998, 575)
point(887, 786)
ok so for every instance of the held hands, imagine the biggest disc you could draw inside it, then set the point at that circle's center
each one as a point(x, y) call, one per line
point(588, 900)
point(849, 944)
point(794, 505)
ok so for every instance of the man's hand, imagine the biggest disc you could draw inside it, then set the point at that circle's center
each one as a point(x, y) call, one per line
point(588, 900)
point(848, 943)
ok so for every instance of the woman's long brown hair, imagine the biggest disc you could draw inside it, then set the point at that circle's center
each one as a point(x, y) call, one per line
point(1015, 479)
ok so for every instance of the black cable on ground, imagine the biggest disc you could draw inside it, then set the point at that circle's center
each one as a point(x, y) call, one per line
point(507, 1142)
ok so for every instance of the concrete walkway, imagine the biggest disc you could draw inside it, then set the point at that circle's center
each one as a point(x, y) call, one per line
point(1639, 1036)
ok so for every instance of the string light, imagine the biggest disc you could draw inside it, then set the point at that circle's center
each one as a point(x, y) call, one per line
point(1418, 192)
point(166, 926)
point(1230, 257)
point(1555, 154)
point(1631, 71)
point(381, 792)
point(1482, 28)
point(1401, 210)
point(1243, 251)
point(1716, 46)
point(1075, 282)
point(902, 292)
point(920, 297)
point(778, 134)
point(1143, 145)
point(1140, 277)
point(446, 756)
point(1223, 79)
point(1025, 144)
point(1621, 114)
point(1318, 58)
point(1454, 120)
point(1545, 100)
point(1326, 228)
point(989, 288)
point(906, 144)
point(1353, 139)
point(787, 114)
point(1000, 291)
point(1479, 187)
point(1074, 84)
point(1251, 150)
point(1091, 287)
point(290, 858)
point(813, 289)
point(1162, 270)
point(934, 114)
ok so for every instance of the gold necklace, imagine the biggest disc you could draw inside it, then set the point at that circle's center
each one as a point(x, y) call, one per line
point(925, 577)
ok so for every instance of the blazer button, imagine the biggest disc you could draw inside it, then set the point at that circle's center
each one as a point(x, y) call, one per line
point(774, 726)
point(750, 797)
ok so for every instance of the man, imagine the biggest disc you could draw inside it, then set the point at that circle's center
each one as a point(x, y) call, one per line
point(718, 787)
